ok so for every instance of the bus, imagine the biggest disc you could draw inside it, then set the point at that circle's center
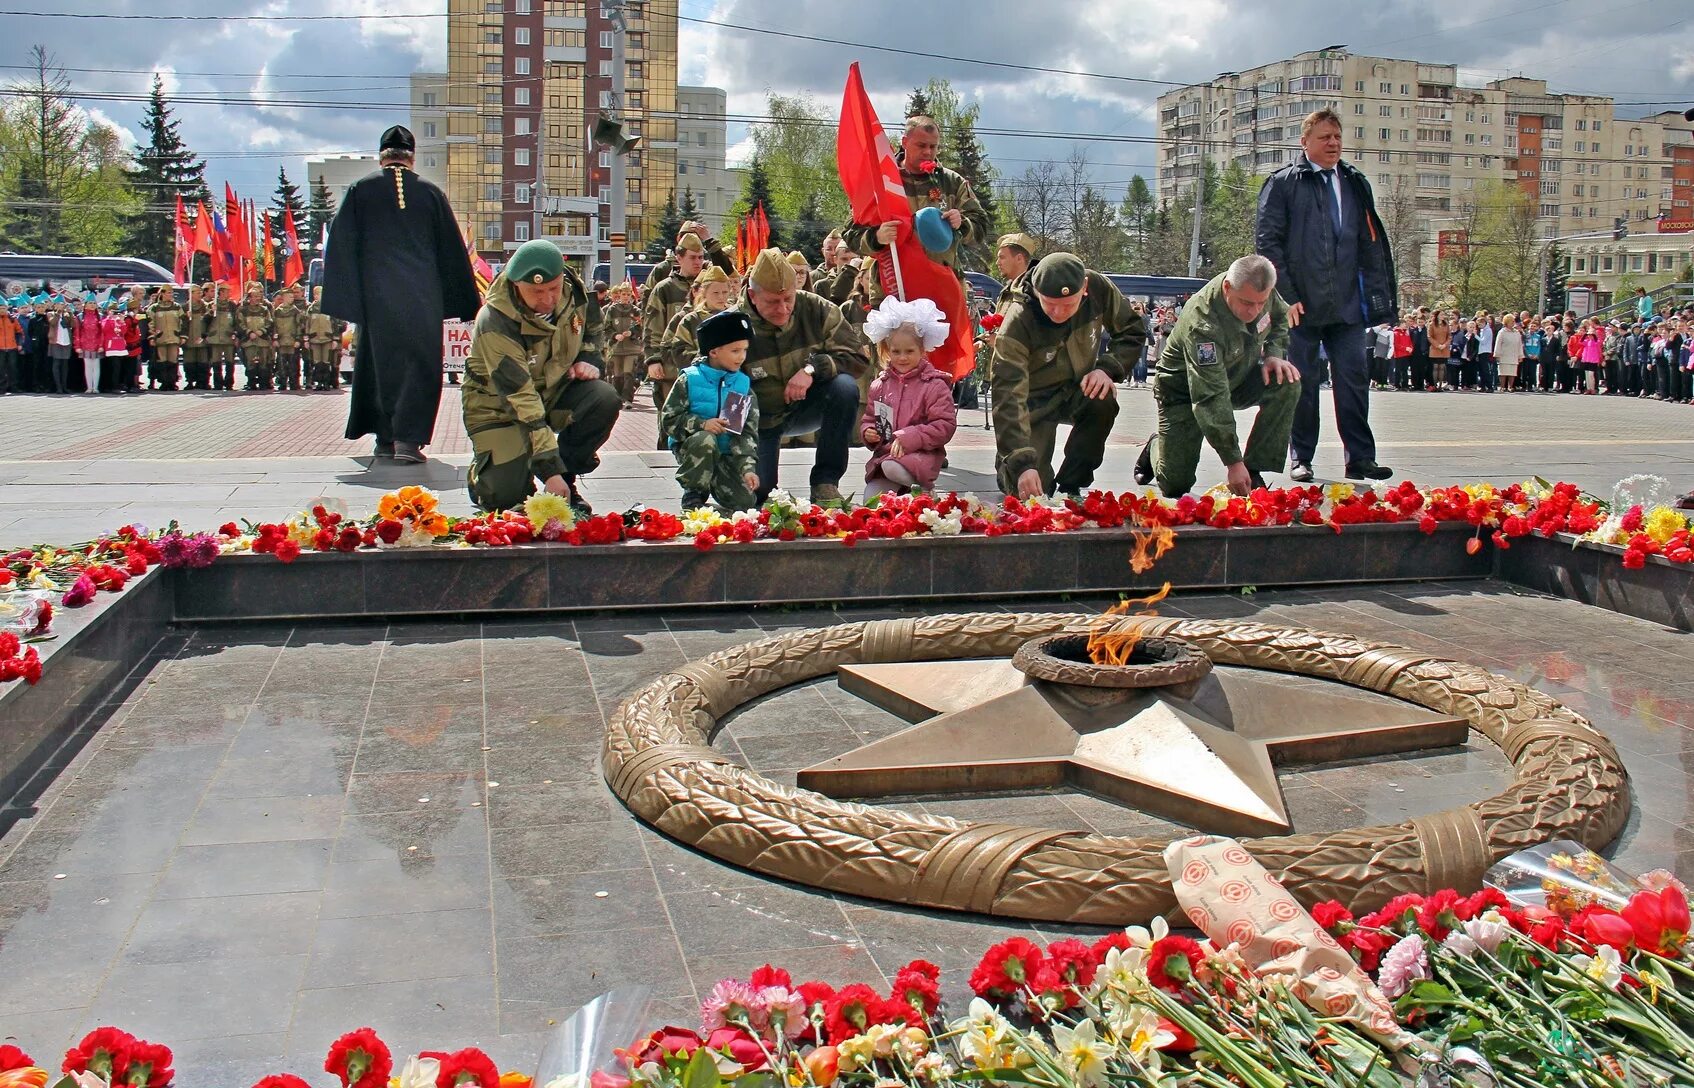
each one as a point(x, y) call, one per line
point(25, 272)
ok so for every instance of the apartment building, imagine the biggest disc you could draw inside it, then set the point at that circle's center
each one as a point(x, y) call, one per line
point(1421, 135)
point(702, 134)
point(526, 80)
point(429, 125)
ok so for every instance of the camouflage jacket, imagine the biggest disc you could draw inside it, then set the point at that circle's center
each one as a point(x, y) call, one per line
point(322, 328)
point(220, 325)
point(662, 305)
point(714, 253)
point(816, 333)
point(622, 317)
point(288, 322)
point(1209, 353)
point(519, 364)
point(942, 189)
point(165, 323)
point(196, 317)
point(1034, 356)
point(253, 322)
point(680, 342)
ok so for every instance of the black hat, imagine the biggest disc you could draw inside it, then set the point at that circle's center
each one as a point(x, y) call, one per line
point(397, 138)
point(723, 328)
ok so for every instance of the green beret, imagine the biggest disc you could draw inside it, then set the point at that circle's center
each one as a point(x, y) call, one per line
point(1059, 275)
point(536, 261)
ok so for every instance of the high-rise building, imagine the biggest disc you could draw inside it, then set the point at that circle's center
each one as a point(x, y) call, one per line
point(526, 80)
point(1421, 135)
point(429, 125)
point(701, 143)
point(336, 172)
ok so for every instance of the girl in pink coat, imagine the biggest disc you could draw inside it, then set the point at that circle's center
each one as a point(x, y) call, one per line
point(90, 344)
point(909, 414)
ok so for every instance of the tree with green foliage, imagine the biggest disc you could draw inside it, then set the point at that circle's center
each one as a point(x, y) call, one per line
point(664, 235)
point(287, 198)
point(809, 229)
point(756, 190)
point(163, 170)
point(1137, 214)
point(319, 213)
point(795, 148)
point(918, 103)
point(62, 185)
point(1495, 266)
point(689, 208)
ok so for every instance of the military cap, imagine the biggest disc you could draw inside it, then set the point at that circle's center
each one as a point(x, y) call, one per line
point(723, 328)
point(799, 261)
point(1058, 275)
point(536, 261)
point(600, 285)
point(1019, 241)
point(690, 243)
point(772, 272)
point(712, 274)
point(397, 138)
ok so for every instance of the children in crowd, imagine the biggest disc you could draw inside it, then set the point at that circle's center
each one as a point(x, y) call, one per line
point(711, 418)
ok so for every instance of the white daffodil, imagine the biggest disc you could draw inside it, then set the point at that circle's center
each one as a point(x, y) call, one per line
point(1124, 971)
point(1082, 1052)
point(1142, 937)
point(1144, 1036)
point(982, 1035)
point(1604, 967)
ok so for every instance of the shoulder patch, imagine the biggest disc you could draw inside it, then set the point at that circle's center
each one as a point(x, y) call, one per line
point(1206, 353)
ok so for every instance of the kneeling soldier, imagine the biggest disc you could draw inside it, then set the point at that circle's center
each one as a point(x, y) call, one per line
point(535, 405)
point(1225, 354)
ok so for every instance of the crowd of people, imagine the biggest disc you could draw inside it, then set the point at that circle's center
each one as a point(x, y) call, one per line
point(65, 344)
point(1647, 356)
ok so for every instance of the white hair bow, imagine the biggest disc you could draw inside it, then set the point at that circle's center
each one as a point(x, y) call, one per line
point(922, 314)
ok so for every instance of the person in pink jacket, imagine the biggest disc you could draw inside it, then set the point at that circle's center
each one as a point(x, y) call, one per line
point(114, 371)
point(909, 413)
point(90, 344)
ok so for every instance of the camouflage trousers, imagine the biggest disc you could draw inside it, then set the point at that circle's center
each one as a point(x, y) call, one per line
point(704, 469)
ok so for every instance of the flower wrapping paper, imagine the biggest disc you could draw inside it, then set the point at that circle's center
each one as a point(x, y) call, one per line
point(1233, 900)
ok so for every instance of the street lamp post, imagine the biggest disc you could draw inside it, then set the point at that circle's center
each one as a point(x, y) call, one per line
point(620, 186)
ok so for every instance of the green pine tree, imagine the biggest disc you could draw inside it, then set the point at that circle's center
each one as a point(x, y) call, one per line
point(689, 208)
point(809, 228)
point(164, 169)
point(664, 235)
point(287, 196)
point(918, 103)
point(965, 154)
point(319, 213)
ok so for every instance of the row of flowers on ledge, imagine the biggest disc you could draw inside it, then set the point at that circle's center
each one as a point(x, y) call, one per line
point(36, 581)
point(1583, 981)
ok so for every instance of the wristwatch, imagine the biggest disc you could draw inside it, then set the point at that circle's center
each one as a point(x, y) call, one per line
point(808, 370)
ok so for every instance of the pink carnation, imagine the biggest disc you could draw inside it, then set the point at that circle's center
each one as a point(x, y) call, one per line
point(730, 1004)
point(1405, 963)
point(781, 1008)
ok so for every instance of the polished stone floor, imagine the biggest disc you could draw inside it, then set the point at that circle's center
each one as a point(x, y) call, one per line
point(281, 833)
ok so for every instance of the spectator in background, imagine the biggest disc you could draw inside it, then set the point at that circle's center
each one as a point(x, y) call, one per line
point(10, 332)
point(1508, 350)
point(1643, 304)
point(1440, 338)
point(1487, 378)
point(1533, 338)
point(35, 347)
point(1381, 355)
point(1419, 377)
point(1467, 361)
point(90, 345)
point(114, 372)
point(1401, 367)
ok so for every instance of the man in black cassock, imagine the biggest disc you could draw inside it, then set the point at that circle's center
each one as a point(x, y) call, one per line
point(397, 268)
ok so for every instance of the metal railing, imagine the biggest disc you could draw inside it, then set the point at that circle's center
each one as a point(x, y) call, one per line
point(1674, 295)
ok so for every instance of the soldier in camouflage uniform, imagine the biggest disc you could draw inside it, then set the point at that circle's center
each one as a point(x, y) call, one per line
point(196, 315)
point(713, 294)
point(1227, 352)
point(710, 246)
point(936, 187)
point(535, 405)
point(1047, 369)
point(220, 338)
point(1013, 255)
point(713, 461)
point(323, 345)
point(253, 333)
point(165, 328)
point(288, 325)
point(623, 343)
point(665, 300)
point(801, 364)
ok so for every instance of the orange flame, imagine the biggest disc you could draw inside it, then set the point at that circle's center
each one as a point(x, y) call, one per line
point(1158, 540)
point(1112, 643)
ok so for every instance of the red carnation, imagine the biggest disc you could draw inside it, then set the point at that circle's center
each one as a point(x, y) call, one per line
point(81, 592)
point(918, 985)
point(282, 1080)
point(467, 1066)
point(13, 1058)
point(849, 1011)
point(103, 1052)
point(287, 551)
point(149, 1065)
point(229, 528)
point(1479, 902)
point(360, 1059)
point(1074, 961)
point(1334, 917)
point(1119, 940)
point(990, 322)
point(1005, 968)
point(388, 530)
point(1172, 961)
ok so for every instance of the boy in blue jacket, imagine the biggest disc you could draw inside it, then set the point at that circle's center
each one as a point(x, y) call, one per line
point(710, 419)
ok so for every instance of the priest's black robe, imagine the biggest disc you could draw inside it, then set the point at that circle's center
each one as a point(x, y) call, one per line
point(396, 267)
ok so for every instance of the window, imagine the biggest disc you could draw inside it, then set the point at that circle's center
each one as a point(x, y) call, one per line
point(1385, 111)
point(430, 160)
point(520, 157)
point(520, 126)
point(1405, 134)
point(605, 99)
point(1358, 107)
point(1596, 126)
point(520, 232)
point(491, 97)
point(1580, 145)
point(605, 159)
point(605, 68)
point(520, 7)
point(1581, 126)
point(492, 68)
point(1470, 137)
point(1605, 264)
point(635, 69)
point(603, 194)
point(429, 129)
point(681, 167)
point(491, 191)
point(1581, 262)
point(1359, 131)
point(700, 138)
point(1487, 139)
point(1550, 211)
point(1384, 134)
point(1405, 89)
point(491, 155)
point(1435, 181)
point(520, 36)
point(1549, 188)
point(1385, 88)
point(520, 96)
point(1358, 84)
point(520, 194)
point(605, 39)
point(1579, 190)
point(520, 66)
point(491, 37)
point(1385, 156)
point(1635, 263)
point(429, 98)
point(491, 125)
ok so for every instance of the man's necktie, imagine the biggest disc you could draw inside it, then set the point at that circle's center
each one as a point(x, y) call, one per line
point(1329, 198)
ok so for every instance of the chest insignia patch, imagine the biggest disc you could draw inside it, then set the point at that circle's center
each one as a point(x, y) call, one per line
point(1207, 353)
point(756, 372)
point(1263, 323)
point(576, 323)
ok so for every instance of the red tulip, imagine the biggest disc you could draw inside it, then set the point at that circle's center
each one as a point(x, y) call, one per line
point(1607, 927)
point(1660, 920)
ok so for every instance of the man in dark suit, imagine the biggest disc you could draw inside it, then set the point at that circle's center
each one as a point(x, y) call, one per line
point(1318, 224)
point(397, 267)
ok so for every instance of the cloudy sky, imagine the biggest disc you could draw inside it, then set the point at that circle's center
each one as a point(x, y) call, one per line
point(253, 94)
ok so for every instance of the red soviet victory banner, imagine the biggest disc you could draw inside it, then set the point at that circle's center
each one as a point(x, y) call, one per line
point(202, 229)
point(184, 242)
point(293, 268)
point(871, 179)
